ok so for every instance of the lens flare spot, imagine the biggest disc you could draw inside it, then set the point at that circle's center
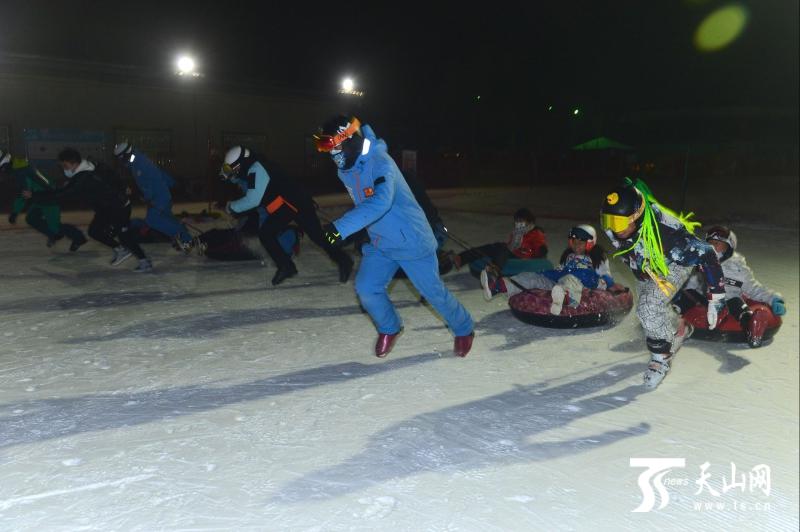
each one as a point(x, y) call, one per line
point(721, 28)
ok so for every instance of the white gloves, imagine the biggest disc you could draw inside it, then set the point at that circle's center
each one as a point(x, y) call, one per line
point(715, 305)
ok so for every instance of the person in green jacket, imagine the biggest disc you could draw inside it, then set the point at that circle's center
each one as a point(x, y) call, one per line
point(45, 217)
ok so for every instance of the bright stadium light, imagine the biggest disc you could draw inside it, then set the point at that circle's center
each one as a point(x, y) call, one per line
point(349, 87)
point(186, 66)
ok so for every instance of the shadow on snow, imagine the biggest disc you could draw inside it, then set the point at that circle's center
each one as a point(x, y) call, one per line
point(46, 419)
point(491, 431)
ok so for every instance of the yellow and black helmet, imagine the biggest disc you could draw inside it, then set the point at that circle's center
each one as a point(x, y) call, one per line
point(621, 206)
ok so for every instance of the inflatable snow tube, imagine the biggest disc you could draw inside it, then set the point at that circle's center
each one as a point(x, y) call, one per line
point(763, 324)
point(598, 307)
point(512, 266)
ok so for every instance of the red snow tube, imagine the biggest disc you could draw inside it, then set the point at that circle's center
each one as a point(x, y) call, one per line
point(597, 307)
point(763, 324)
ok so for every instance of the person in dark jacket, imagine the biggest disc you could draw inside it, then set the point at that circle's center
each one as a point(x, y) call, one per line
point(45, 218)
point(284, 201)
point(101, 188)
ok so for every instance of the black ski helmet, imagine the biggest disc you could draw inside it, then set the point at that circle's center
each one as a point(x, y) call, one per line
point(622, 205)
point(335, 137)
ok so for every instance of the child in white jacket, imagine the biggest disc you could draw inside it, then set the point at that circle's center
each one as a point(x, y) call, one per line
point(740, 283)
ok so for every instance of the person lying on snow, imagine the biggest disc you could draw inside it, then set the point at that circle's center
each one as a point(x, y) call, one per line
point(583, 264)
point(526, 241)
point(740, 283)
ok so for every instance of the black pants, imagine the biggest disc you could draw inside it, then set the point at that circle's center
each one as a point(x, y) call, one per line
point(306, 218)
point(36, 218)
point(686, 299)
point(72, 232)
point(108, 225)
point(497, 252)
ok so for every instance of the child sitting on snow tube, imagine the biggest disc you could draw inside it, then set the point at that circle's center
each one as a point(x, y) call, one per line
point(526, 241)
point(583, 264)
point(754, 321)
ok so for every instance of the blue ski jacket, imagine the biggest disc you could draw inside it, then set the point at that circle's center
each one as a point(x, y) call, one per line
point(384, 204)
point(153, 181)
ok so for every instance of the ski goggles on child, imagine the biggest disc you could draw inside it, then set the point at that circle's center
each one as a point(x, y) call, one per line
point(326, 143)
point(227, 171)
point(617, 223)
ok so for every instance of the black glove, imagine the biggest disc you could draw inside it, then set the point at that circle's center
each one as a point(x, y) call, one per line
point(332, 235)
point(12, 218)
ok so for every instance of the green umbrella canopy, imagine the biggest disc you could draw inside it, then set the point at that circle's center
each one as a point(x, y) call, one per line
point(602, 143)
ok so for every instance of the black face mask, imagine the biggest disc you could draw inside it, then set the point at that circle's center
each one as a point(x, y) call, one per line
point(351, 150)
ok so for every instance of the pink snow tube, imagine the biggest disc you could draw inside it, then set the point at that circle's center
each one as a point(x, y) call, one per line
point(597, 307)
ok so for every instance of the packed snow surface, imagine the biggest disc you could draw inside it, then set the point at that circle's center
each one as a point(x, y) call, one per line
point(197, 397)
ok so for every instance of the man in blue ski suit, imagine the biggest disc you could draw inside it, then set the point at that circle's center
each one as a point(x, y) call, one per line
point(154, 184)
point(400, 235)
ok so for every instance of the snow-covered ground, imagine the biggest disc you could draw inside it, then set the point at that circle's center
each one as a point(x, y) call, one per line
point(199, 398)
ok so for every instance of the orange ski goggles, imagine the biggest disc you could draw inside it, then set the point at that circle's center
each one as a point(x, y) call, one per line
point(326, 143)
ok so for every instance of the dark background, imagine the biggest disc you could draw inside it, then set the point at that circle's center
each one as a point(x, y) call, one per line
point(630, 67)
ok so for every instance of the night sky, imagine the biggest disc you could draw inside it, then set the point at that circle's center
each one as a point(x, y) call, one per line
point(436, 60)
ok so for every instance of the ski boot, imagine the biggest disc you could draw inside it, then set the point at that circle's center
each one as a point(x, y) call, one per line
point(463, 344)
point(385, 343)
point(657, 369)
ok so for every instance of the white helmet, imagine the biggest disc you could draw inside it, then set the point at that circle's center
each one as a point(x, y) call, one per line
point(5, 158)
point(123, 150)
point(586, 233)
point(233, 161)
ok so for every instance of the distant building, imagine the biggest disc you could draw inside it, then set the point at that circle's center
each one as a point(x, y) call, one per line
point(183, 123)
